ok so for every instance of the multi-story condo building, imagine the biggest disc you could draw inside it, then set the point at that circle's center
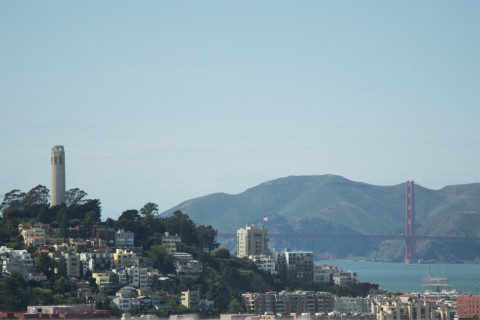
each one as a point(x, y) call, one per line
point(72, 262)
point(353, 305)
point(124, 258)
point(190, 299)
point(252, 241)
point(184, 263)
point(96, 261)
point(124, 239)
point(35, 237)
point(468, 306)
point(103, 236)
point(16, 260)
point(264, 262)
point(414, 309)
point(295, 266)
point(345, 279)
point(323, 274)
point(287, 302)
point(138, 277)
point(171, 242)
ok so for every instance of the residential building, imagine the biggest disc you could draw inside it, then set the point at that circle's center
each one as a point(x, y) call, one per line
point(252, 241)
point(124, 239)
point(138, 277)
point(190, 299)
point(323, 274)
point(288, 302)
point(345, 279)
point(16, 260)
point(35, 237)
point(124, 258)
point(103, 236)
point(264, 262)
point(184, 263)
point(468, 306)
point(295, 266)
point(106, 281)
point(96, 261)
point(393, 309)
point(353, 305)
point(171, 242)
point(72, 262)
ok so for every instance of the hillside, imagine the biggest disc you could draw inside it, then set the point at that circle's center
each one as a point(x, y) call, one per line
point(331, 204)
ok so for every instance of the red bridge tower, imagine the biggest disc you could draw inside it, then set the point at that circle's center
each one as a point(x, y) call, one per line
point(410, 256)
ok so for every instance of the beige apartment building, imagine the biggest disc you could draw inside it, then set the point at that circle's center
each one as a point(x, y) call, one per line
point(252, 241)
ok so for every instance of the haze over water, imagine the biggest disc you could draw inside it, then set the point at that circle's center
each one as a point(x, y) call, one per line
point(401, 277)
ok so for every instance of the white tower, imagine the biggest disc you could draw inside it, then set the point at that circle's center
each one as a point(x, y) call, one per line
point(57, 176)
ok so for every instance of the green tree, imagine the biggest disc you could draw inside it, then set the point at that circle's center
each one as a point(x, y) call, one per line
point(222, 253)
point(149, 208)
point(129, 215)
point(62, 267)
point(162, 260)
point(92, 217)
point(45, 264)
point(39, 296)
point(74, 196)
point(207, 237)
point(39, 195)
point(180, 223)
point(61, 285)
point(235, 306)
point(13, 293)
point(12, 213)
point(14, 198)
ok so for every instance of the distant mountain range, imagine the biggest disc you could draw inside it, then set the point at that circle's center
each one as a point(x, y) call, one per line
point(300, 206)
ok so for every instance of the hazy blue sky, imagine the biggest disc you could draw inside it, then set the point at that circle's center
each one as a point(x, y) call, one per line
point(165, 101)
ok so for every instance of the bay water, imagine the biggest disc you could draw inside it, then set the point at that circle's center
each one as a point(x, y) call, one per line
point(402, 277)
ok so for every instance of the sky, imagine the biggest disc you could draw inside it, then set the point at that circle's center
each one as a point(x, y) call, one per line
point(165, 101)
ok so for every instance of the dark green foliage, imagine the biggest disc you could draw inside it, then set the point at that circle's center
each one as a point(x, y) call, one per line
point(207, 238)
point(13, 293)
point(181, 224)
point(45, 264)
point(39, 296)
point(162, 260)
point(149, 208)
point(222, 253)
point(74, 196)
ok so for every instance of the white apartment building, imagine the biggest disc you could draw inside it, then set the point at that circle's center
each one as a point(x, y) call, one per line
point(353, 305)
point(16, 260)
point(264, 262)
point(124, 239)
point(171, 242)
point(35, 237)
point(323, 273)
point(345, 279)
point(252, 241)
point(138, 277)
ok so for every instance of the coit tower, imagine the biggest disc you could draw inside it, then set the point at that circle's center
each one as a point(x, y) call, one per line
point(57, 176)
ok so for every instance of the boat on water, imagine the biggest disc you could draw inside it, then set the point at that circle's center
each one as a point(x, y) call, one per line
point(438, 286)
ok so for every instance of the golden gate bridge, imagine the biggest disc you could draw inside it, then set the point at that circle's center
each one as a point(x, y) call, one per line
point(409, 237)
